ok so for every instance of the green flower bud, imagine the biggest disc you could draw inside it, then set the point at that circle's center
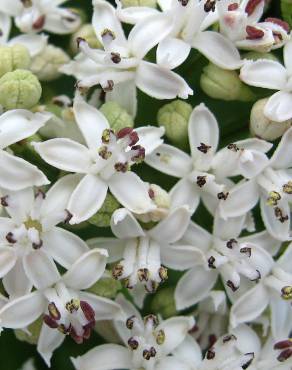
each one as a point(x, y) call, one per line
point(174, 117)
point(87, 33)
point(147, 3)
point(255, 55)
point(286, 8)
point(103, 217)
point(19, 89)
point(163, 303)
point(264, 128)
point(47, 63)
point(106, 287)
point(13, 57)
point(223, 84)
point(117, 116)
point(34, 329)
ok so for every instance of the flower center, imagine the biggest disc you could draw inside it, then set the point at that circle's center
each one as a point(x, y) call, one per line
point(30, 224)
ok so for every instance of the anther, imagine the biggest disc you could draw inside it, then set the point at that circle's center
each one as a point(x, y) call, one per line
point(152, 320)
point(233, 147)
point(143, 274)
point(246, 250)
point(248, 363)
point(106, 135)
point(130, 322)
point(204, 148)
point(222, 195)
point(122, 167)
point(37, 245)
point(258, 278)
point(104, 153)
point(68, 216)
point(285, 355)
point(4, 201)
point(108, 33)
point(116, 58)
point(50, 322)
point(228, 338)
point(211, 262)
point(163, 273)
point(210, 355)
point(79, 40)
point(109, 86)
point(280, 215)
point(231, 285)
point(210, 5)
point(133, 343)
point(87, 310)
point(286, 292)
point(147, 354)
point(201, 181)
point(232, 243)
point(53, 311)
point(10, 238)
point(283, 344)
point(117, 271)
point(160, 337)
point(273, 198)
point(287, 188)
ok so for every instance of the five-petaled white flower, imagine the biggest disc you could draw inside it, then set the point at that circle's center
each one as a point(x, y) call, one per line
point(104, 163)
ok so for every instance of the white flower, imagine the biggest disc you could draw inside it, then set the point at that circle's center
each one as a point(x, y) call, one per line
point(33, 16)
point(271, 291)
point(279, 105)
point(68, 309)
point(147, 344)
point(189, 22)
point(239, 21)
point(120, 67)
point(273, 186)
point(104, 163)
point(17, 125)
point(142, 252)
point(207, 256)
point(30, 241)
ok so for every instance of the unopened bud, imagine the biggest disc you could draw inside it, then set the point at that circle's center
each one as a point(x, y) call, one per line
point(117, 116)
point(106, 287)
point(145, 3)
point(46, 64)
point(103, 217)
point(224, 84)
point(19, 89)
point(13, 57)
point(286, 8)
point(263, 127)
point(85, 32)
point(174, 117)
point(163, 303)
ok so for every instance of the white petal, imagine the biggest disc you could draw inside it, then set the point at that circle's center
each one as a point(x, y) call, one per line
point(5, 22)
point(280, 318)
point(218, 49)
point(170, 160)
point(279, 230)
point(247, 340)
point(105, 309)
point(227, 229)
point(125, 94)
point(49, 340)
point(284, 261)
point(287, 57)
point(172, 52)
point(171, 228)
point(241, 199)
point(64, 246)
point(56, 23)
point(115, 247)
point(10, 7)
point(15, 282)
point(184, 193)
point(189, 351)
point(7, 260)
point(20, 204)
point(135, 14)
point(282, 157)
point(18, 124)
point(124, 225)
point(150, 137)
point(278, 107)
point(17, 174)
point(33, 42)
point(40, 269)
point(182, 257)
point(264, 240)
point(171, 363)
point(65, 154)
point(87, 198)
point(194, 286)
point(161, 83)
point(255, 74)
point(91, 122)
point(197, 236)
point(249, 306)
point(148, 33)
point(104, 357)
point(176, 330)
point(21, 312)
point(131, 192)
point(252, 168)
point(203, 128)
point(86, 270)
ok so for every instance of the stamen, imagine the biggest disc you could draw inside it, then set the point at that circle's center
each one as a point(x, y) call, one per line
point(210, 355)
point(160, 337)
point(287, 188)
point(50, 322)
point(254, 33)
point(109, 86)
point(204, 148)
point(143, 274)
point(211, 262)
point(53, 311)
point(10, 238)
point(285, 355)
point(210, 5)
point(118, 271)
point(273, 198)
point(133, 343)
point(68, 216)
point(251, 6)
point(4, 201)
point(79, 40)
point(37, 245)
point(258, 278)
point(280, 215)
point(233, 147)
point(152, 320)
point(248, 363)
point(231, 285)
point(140, 154)
point(286, 292)
point(222, 195)
point(106, 135)
point(246, 250)
point(104, 153)
point(283, 344)
point(183, 2)
point(201, 181)
point(232, 7)
point(122, 167)
point(88, 311)
point(128, 131)
point(130, 322)
point(73, 305)
point(228, 338)
point(163, 273)
point(232, 243)
point(116, 58)
point(107, 33)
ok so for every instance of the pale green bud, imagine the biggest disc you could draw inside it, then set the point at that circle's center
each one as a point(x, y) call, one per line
point(103, 217)
point(19, 89)
point(286, 8)
point(174, 117)
point(106, 287)
point(87, 33)
point(117, 116)
point(34, 329)
point(264, 128)
point(223, 84)
point(163, 303)
point(13, 57)
point(47, 63)
point(255, 55)
point(147, 3)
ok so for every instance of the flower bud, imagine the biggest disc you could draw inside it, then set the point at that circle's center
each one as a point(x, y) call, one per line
point(223, 84)
point(163, 303)
point(13, 57)
point(263, 127)
point(47, 63)
point(117, 116)
point(103, 217)
point(34, 329)
point(19, 89)
point(255, 55)
point(174, 117)
point(146, 3)
point(286, 8)
point(87, 33)
point(106, 287)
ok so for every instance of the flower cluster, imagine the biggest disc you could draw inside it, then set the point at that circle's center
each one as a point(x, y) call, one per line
point(173, 240)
